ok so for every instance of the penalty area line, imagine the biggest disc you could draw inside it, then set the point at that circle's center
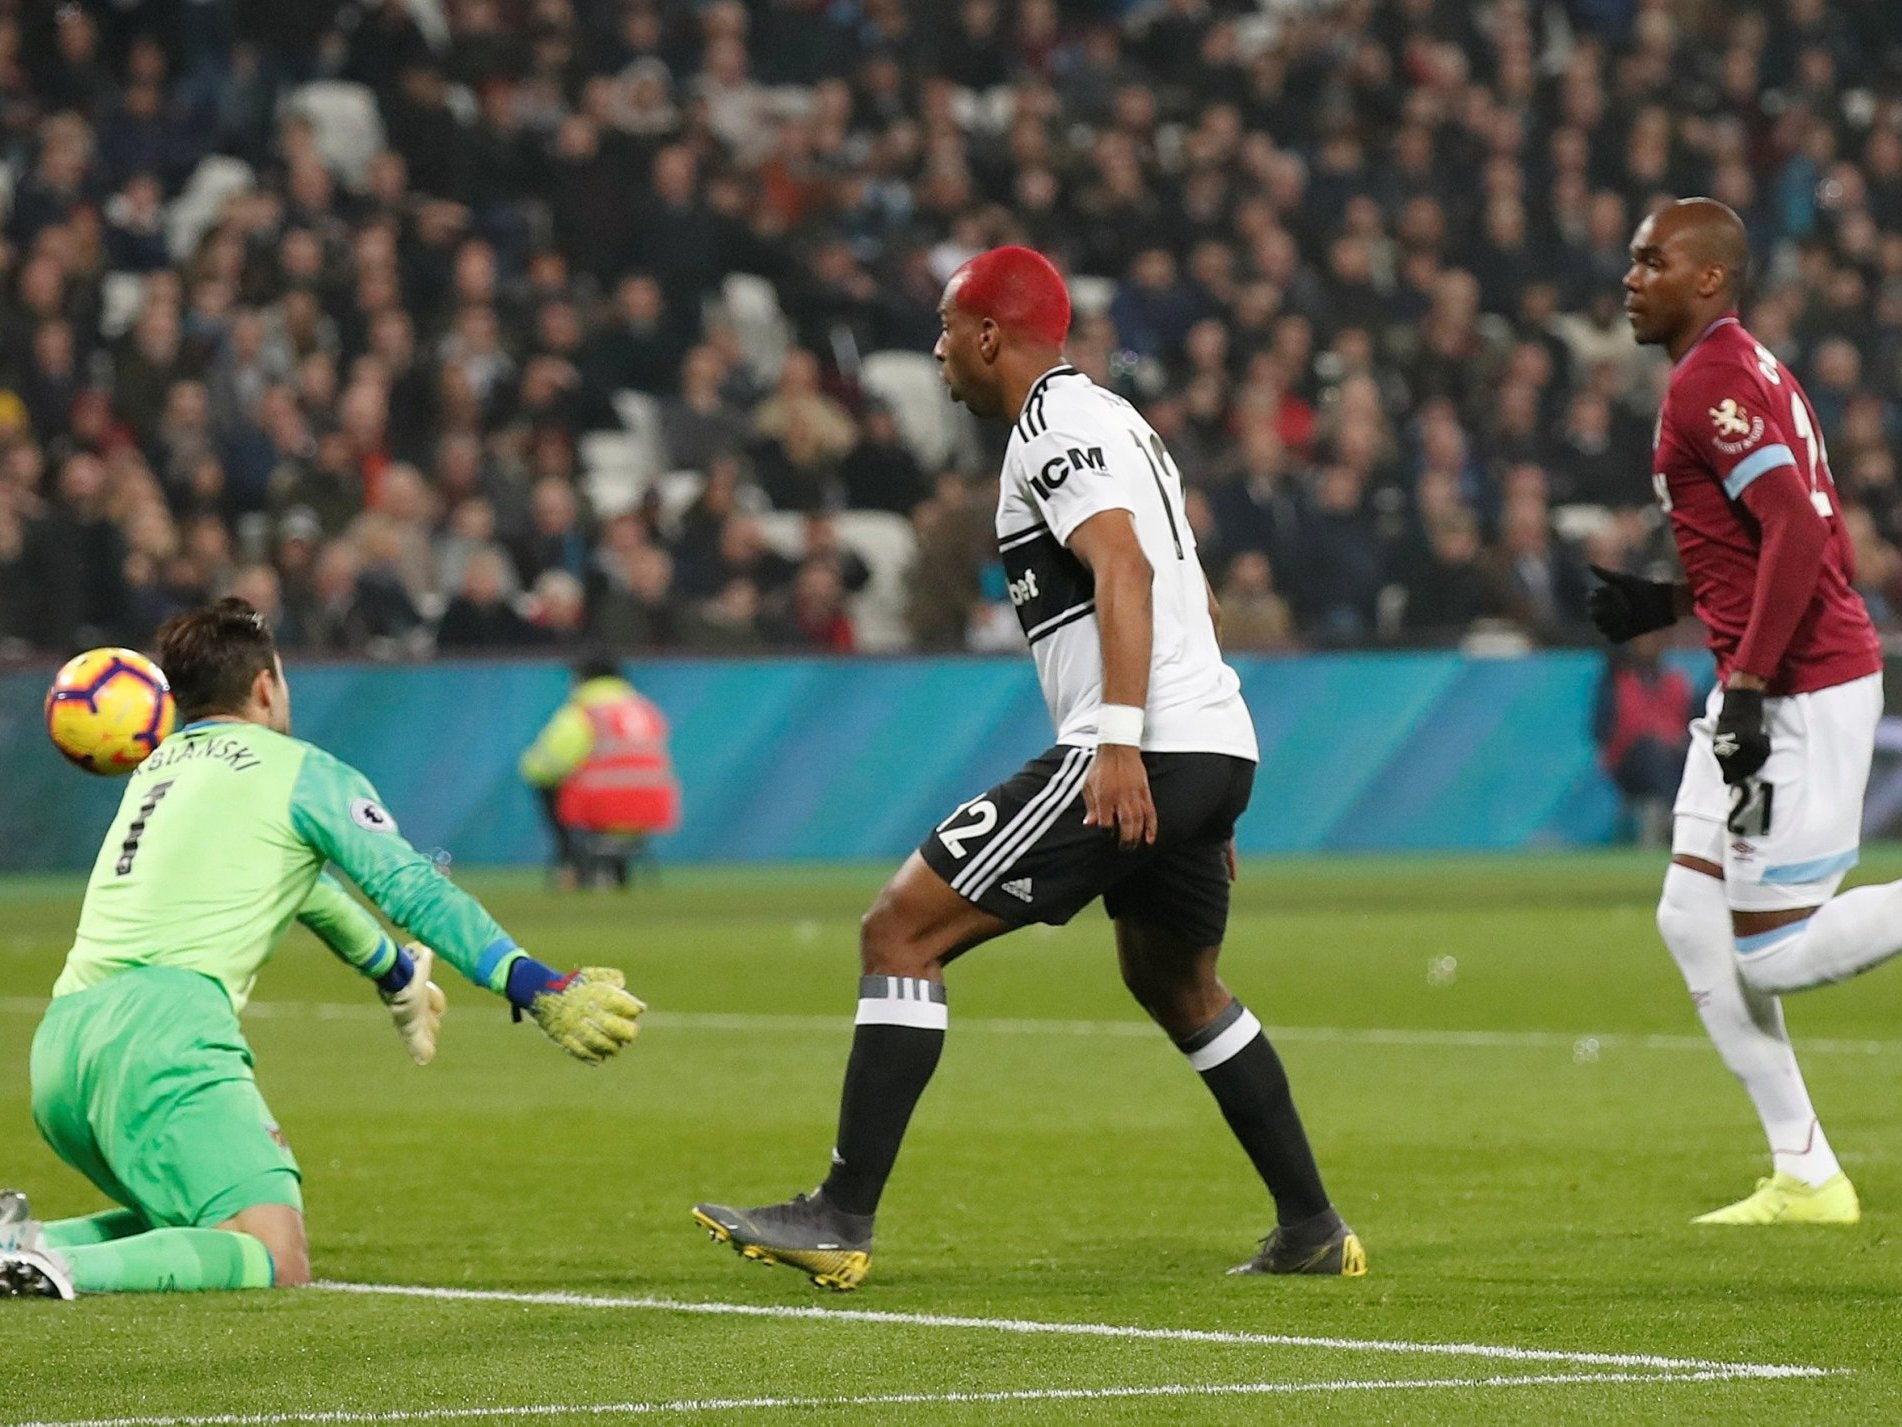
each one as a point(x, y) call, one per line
point(1033, 1326)
point(898, 1399)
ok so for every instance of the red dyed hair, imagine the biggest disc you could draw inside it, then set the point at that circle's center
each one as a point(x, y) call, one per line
point(1019, 290)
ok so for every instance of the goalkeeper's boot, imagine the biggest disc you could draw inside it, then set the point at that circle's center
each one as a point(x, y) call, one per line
point(18, 1228)
point(34, 1273)
point(1322, 1244)
point(1785, 1199)
point(806, 1233)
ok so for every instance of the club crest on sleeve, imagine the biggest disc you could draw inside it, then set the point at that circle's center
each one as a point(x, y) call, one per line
point(1737, 429)
point(371, 815)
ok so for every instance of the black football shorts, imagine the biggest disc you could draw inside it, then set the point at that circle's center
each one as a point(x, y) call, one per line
point(1022, 853)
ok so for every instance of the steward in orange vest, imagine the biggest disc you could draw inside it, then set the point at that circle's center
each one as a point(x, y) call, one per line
point(601, 763)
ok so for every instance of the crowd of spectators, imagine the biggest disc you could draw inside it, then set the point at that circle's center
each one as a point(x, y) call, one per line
point(1358, 262)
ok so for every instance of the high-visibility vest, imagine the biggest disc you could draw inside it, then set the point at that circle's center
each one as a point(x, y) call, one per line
point(1647, 708)
point(626, 783)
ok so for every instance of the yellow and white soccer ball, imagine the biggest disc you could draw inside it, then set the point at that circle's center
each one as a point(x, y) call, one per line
point(108, 709)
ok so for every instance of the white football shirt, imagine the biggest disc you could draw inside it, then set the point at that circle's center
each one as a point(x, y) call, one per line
point(1077, 450)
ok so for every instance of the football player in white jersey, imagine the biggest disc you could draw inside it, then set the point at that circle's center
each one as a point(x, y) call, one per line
point(1136, 803)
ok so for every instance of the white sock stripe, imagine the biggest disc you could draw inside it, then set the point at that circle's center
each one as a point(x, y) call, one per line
point(1045, 808)
point(1228, 1044)
point(923, 1015)
point(900, 988)
point(1230, 1014)
point(1007, 836)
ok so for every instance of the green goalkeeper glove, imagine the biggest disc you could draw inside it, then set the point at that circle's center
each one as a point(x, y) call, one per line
point(417, 1005)
point(589, 1013)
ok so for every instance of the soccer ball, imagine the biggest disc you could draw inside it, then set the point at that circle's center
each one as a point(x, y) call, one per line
point(109, 708)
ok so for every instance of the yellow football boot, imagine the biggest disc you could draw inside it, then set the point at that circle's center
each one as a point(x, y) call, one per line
point(1322, 1245)
point(831, 1247)
point(1785, 1199)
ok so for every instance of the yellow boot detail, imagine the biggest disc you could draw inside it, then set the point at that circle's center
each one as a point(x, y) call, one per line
point(1785, 1199)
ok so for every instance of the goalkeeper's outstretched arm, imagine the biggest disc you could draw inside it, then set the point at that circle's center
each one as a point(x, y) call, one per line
point(401, 973)
point(337, 813)
point(352, 934)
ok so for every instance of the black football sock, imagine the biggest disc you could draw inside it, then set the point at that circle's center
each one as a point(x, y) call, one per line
point(900, 1033)
point(1244, 1074)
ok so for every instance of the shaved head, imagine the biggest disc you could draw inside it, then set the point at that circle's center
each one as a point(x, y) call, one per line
point(1713, 234)
point(1690, 261)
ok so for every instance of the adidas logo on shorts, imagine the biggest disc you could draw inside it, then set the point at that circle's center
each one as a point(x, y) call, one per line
point(1020, 889)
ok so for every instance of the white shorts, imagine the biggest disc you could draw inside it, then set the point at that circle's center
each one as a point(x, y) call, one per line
point(1820, 746)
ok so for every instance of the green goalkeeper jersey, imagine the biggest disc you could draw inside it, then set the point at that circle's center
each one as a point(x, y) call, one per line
point(221, 839)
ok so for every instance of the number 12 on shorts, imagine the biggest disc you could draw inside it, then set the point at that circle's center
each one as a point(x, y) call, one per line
point(983, 817)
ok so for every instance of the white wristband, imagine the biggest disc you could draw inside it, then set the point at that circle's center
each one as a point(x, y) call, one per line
point(1120, 723)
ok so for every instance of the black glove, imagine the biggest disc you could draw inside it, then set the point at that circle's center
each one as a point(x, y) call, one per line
point(1739, 740)
point(1626, 606)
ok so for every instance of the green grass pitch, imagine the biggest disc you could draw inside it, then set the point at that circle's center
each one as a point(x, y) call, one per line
point(1504, 1080)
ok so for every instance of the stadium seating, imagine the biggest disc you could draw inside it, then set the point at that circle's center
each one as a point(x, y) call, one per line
point(910, 383)
point(345, 123)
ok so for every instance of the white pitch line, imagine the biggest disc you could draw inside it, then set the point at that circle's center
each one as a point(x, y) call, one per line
point(1425, 1038)
point(904, 1399)
point(1493, 1351)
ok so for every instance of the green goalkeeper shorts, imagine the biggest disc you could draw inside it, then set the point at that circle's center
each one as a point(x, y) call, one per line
point(143, 1084)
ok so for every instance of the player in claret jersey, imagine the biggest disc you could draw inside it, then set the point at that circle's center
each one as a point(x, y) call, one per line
point(1769, 815)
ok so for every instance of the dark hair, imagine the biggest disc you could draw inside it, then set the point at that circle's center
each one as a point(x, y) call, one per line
point(597, 664)
point(212, 655)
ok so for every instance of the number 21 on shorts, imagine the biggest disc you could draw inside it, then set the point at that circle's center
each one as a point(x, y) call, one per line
point(1750, 804)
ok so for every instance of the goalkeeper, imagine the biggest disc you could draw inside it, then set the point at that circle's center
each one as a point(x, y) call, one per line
point(141, 1077)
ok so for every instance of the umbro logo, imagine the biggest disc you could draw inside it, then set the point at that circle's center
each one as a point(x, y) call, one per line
point(1020, 889)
